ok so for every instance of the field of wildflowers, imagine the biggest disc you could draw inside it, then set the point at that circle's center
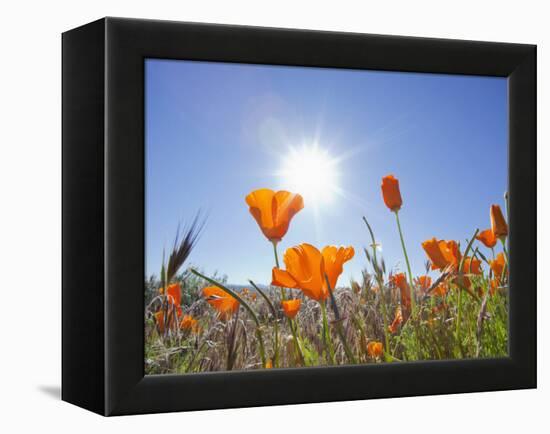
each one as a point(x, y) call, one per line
point(457, 309)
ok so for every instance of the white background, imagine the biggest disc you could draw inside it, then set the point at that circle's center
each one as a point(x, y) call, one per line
point(30, 214)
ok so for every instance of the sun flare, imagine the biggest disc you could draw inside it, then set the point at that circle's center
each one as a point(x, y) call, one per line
point(310, 171)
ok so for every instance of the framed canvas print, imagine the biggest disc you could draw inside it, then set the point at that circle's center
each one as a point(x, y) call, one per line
point(257, 216)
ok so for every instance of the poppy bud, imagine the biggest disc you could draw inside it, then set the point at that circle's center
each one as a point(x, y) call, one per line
point(498, 224)
point(391, 193)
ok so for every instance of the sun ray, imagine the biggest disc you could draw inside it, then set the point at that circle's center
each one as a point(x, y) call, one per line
point(310, 171)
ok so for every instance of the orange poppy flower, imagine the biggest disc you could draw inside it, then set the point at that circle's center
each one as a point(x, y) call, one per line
point(159, 318)
point(442, 254)
point(424, 282)
point(306, 267)
point(189, 323)
point(391, 193)
point(375, 349)
point(441, 289)
point(400, 281)
point(498, 224)
point(291, 307)
point(471, 266)
point(434, 253)
point(497, 265)
point(221, 301)
point(268, 364)
point(487, 237)
point(451, 253)
point(173, 295)
point(334, 258)
point(397, 320)
point(274, 210)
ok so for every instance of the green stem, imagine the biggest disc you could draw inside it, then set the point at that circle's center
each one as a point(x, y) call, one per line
point(283, 297)
point(261, 344)
point(339, 325)
point(503, 242)
point(436, 344)
point(244, 304)
point(380, 280)
point(459, 315)
point(293, 329)
point(231, 348)
point(468, 247)
point(507, 205)
point(275, 317)
point(373, 245)
point(275, 253)
point(413, 295)
point(460, 287)
point(504, 269)
point(384, 316)
point(326, 333)
point(283, 290)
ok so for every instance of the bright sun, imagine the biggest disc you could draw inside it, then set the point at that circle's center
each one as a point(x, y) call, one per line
point(311, 172)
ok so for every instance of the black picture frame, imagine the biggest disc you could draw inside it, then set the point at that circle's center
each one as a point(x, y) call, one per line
point(103, 184)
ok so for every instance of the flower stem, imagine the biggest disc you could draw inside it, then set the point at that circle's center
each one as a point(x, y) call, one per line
point(503, 242)
point(283, 290)
point(261, 345)
point(293, 329)
point(384, 315)
point(459, 315)
point(380, 280)
point(413, 295)
point(339, 326)
point(275, 253)
point(326, 333)
point(275, 317)
point(245, 305)
point(461, 286)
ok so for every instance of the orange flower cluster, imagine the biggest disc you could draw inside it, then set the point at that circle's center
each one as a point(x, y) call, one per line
point(315, 272)
point(307, 268)
point(445, 256)
point(498, 230)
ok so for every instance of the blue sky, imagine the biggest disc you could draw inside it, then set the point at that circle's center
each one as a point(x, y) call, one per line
point(216, 131)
